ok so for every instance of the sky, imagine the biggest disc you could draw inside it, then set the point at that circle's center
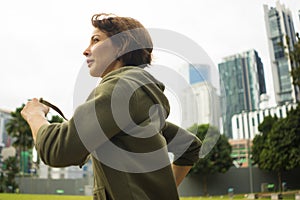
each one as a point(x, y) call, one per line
point(42, 41)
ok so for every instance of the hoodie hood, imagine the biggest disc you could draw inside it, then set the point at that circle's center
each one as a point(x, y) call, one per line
point(144, 80)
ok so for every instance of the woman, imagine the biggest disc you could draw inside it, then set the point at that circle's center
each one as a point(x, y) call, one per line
point(122, 125)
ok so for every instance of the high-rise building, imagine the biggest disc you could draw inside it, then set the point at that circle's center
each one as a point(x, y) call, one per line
point(281, 34)
point(198, 73)
point(205, 109)
point(242, 83)
point(201, 101)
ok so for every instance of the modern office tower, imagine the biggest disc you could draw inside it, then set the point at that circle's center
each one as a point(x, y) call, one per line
point(198, 73)
point(201, 101)
point(242, 83)
point(281, 34)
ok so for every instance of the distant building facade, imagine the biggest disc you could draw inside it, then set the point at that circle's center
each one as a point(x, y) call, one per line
point(206, 108)
point(242, 83)
point(279, 27)
point(199, 73)
point(5, 139)
point(72, 172)
point(202, 105)
point(245, 125)
point(240, 151)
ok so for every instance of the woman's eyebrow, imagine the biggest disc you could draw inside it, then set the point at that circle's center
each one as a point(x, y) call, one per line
point(96, 35)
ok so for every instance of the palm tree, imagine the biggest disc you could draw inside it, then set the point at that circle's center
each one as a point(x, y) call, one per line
point(19, 129)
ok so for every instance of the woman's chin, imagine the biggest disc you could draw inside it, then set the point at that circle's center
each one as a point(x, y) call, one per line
point(95, 73)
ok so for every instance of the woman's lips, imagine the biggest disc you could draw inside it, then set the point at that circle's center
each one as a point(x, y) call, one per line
point(89, 62)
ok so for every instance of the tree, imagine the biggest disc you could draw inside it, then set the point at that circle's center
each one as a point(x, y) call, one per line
point(280, 151)
point(260, 140)
point(2, 182)
point(18, 128)
point(56, 118)
point(218, 160)
point(10, 169)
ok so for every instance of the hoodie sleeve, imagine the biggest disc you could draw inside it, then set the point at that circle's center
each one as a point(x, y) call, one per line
point(59, 145)
point(184, 145)
point(70, 143)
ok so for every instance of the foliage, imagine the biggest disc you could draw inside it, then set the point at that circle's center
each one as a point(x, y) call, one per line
point(18, 128)
point(56, 118)
point(259, 141)
point(10, 169)
point(277, 149)
point(20, 131)
point(218, 160)
point(2, 182)
point(283, 150)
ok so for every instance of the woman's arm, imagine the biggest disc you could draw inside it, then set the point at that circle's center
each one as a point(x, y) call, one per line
point(58, 144)
point(185, 147)
point(34, 113)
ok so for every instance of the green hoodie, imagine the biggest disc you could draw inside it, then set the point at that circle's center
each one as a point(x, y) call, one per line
point(122, 126)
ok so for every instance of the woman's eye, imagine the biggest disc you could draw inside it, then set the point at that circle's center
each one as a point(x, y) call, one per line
point(95, 40)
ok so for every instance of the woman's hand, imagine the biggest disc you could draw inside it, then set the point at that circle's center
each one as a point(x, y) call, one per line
point(34, 108)
point(35, 113)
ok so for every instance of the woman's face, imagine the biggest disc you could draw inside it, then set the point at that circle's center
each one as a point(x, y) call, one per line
point(101, 54)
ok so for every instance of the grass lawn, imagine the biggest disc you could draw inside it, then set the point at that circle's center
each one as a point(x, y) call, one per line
point(42, 197)
point(65, 197)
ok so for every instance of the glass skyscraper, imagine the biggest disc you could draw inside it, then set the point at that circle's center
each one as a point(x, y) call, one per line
point(242, 83)
point(202, 105)
point(198, 73)
point(281, 34)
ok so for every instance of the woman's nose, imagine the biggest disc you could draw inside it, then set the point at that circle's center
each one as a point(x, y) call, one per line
point(86, 52)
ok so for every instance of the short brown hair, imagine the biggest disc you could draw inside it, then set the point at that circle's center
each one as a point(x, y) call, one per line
point(134, 40)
